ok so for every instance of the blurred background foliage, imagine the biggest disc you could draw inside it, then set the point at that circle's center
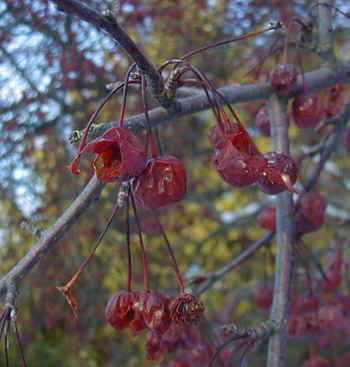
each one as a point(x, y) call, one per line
point(53, 73)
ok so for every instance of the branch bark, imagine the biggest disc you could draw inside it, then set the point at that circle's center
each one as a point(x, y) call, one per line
point(285, 235)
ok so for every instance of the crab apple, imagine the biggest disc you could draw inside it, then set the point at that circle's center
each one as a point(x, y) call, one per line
point(120, 154)
point(154, 350)
point(186, 308)
point(137, 324)
point(310, 216)
point(332, 281)
point(280, 174)
point(234, 133)
point(238, 169)
point(262, 121)
point(156, 313)
point(283, 78)
point(297, 326)
point(119, 312)
point(178, 363)
point(267, 218)
point(307, 110)
point(317, 361)
point(264, 296)
point(162, 182)
point(336, 100)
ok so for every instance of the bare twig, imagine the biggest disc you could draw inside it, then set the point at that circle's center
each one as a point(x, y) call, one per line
point(243, 256)
point(108, 23)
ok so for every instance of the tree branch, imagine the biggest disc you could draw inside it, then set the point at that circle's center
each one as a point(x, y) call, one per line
point(243, 256)
point(285, 233)
point(109, 24)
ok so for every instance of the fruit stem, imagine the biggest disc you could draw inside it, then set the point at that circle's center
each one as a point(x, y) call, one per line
point(125, 93)
point(285, 51)
point(172, 255)
point(220, 43)
point(19, 343)
point(65, 289)
point(143, 252)
point(128, 284)
point(76, 160)
point(145, 106)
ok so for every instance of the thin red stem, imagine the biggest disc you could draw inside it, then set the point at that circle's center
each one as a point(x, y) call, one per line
point(149, 125)
point(19, 343)
point(125, 93)
point(143, 252)
point(6, 344)
point(220, 43)
point(172, 255)
point(128, 285)
point(92, 253)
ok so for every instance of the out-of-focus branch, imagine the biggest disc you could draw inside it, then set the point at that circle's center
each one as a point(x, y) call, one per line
point(109, 24)
point(339, 122)
point(52, 235)
point(243, 256)
point(285, 235)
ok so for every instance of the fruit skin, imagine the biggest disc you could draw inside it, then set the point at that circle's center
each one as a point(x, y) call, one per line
point(280, 173)
point(162, 182)
point(267, 218)
point(311, 211)
point(262, 121)
point(119, 312)
point(283, 77)
point(120, 154)
point(307, 110)
point(238, 169)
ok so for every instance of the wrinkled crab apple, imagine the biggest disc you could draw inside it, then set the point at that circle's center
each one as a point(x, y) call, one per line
point(307, 110)
point(239, 162)
point(236, 159)
point(280, 174)
point(283, 78)
point(162, 182)
point(262, 121)
point(120, 154)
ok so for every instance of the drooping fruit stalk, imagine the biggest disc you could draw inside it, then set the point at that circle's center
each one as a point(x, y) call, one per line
point(66, 289)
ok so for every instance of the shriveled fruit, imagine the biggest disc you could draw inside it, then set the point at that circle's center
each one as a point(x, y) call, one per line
point(283, 78)
point(156, 314)
point(119, 312)
point(311, 211)
point(307, 110)
point(238, 169)
point(186, 308)
point(120, 154)
point(279, 174)
point(162, 182)
point(267, 218)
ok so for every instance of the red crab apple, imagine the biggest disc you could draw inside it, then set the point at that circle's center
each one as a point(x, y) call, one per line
point(162, 182)
point(267, 218)
point(307, 110)
point(238, 169)
point(283, 78)
point(262, 121)
point(236, 134)
point(120, 154)
point(156, 314)
point(310, 216)
point(119, 312)
point(279, 174)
